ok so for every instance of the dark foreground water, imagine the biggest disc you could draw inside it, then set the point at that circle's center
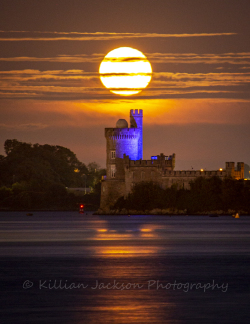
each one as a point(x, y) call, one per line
point(64, 267)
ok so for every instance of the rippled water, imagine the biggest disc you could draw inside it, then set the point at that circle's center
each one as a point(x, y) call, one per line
point(65, 267)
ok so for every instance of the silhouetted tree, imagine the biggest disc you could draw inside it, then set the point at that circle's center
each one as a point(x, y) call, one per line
point(37, 175)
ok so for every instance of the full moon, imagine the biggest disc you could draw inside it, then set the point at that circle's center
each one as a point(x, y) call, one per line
point(125, 71)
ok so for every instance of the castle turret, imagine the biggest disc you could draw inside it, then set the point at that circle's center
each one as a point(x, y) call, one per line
point(236, 173)
point(136, 121)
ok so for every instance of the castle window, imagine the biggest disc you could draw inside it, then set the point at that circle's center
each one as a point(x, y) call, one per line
point(112, 154)
point(112, 170)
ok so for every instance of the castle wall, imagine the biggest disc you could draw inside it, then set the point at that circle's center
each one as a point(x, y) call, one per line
point(162, 173)
point(182, 179)
point(144, 171)
point(111, 190)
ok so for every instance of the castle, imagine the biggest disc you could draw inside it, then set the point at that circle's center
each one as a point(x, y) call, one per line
point(125, 164)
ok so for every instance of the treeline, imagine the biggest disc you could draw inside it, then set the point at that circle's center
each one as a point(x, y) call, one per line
point(206, 195)
point(34, 176)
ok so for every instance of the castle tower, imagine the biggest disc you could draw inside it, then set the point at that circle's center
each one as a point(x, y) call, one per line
point(123, 140)
point(136, 121)
point(119, 141)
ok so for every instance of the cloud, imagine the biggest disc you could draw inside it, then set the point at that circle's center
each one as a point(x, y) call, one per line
point(184, 80)
point(193, 58)
point(156, 58)
point(78, 84)
point(98, 36)
point(82, 58)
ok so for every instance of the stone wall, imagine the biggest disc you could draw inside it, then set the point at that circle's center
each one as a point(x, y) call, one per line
point(111, 190)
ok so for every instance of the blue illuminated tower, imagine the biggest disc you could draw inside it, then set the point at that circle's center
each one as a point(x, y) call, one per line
point(124, 140)
point(136, 121)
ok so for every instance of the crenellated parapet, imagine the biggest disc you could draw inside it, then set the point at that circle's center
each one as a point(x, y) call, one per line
point(195, 173)
point(121, 133)
point(161, 161)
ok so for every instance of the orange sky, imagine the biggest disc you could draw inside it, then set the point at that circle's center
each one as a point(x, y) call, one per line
point(197, 104)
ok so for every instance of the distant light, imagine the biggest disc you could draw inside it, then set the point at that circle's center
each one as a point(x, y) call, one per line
point(153, 157)
point(202, 170)
point(76, 170)
point(221, 169)
point(81, 206)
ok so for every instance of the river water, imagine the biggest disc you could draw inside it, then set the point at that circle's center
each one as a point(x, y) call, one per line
point(66, 267)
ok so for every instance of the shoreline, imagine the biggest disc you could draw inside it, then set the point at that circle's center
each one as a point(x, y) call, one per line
point(131, 212)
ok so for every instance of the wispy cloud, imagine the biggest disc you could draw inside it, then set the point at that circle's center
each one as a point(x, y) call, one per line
point(183, 80)
point(82, 58)
point(193, 58)
point(170, 58)
point(77, 84)
point(98, 36)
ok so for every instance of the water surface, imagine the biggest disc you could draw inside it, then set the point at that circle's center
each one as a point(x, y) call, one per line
point(65, 267)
